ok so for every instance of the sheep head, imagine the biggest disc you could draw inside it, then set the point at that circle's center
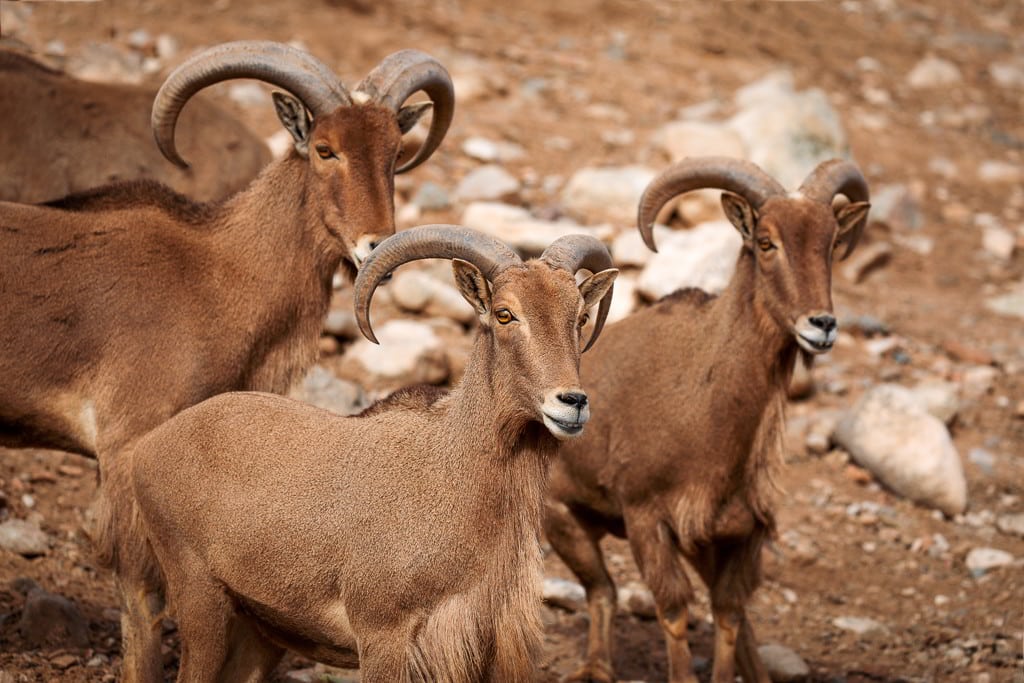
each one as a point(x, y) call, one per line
point(531, 314)
point(790, 237)
point(350, 141)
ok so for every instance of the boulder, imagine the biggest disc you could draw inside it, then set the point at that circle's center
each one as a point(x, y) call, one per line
point(606, 194)
point(682, 139)
point(486, 182)
point(568, 595)
point(704, 257)
point(417, 291)
point(980, 561)
point(24, 538)
point(49, 620)
point(409, 353)
point(324, 390)
point(516, 227)
point(783, 664)
point(785, 132)
point(906, 448)
point(933, 72)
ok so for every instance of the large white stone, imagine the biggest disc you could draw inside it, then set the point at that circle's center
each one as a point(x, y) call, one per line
point(486, 182)
point(516, 227)
point(783, 664)
point(624, 298)
point(628, 248)
point(1009, 304)
point(562, 593)
point(608, 193)
point(409, 353)
point(418, 291)
point(24, 538)
point(322, 389)
point(704, 257)
point(933, 72)
point(938, 397)
point(682, 139)
point(787, 133)
point(982, 560)
point(890, 434)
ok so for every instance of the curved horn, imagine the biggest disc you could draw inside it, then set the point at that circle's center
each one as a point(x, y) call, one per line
point(282, 65)
point(406, 72)
point(576, 252)
point(835, 177)
point(428, 241)
point(734, 175)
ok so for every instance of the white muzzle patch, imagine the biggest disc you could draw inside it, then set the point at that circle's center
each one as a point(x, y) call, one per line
point(562, 420)
point(813, 339)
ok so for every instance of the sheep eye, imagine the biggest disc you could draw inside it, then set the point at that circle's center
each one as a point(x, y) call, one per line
point(765, 244)
point(324, 151)
point(584, 318)
point(504, 316)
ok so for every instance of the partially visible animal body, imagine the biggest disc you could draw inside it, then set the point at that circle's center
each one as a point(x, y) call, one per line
point(125, 304)
point(403, 540)
point(61, 135)
point(681, 458)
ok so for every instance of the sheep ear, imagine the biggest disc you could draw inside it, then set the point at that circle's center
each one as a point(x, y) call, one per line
point(596, 286)
point(849, 217)
point(741, 214)
point(294, 118)
point(473, 285)
point(409, 115)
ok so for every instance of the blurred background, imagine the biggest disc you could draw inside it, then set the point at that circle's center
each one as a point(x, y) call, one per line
point(565, 110)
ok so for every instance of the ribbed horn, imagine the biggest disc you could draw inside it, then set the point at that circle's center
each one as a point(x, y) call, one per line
point(577, 252)
point(428, 241)
point(834, 177)
point(401, 75)
point(298, 72)
point(723, 173)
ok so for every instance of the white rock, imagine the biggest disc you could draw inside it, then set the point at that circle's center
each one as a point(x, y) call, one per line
point(324, 390)
point(977, 380)
point(516, 227)
point(906, 448)
point(939, 398)
point(247, 94)
point(999, 242)
point(1011, 524)
point(635, 598)
point(1009, 304)
point(704, 257)
point(995, 171)
point(862, 626)
point(280, 143)
point(418, 291)
point(166, 46)
point(409, 353)
point(982, 560)
point(777, 84)
point(1008, 73)
point(783, 664)
point(568, 595)
point(624, 300)
point(24, 538)
point(486, 182)
point(788, 133)
point(933, 72)
point(628, 248)
point(609, 193)
point(895, 205)
point(342, 323)
point(682, 139)
point(483, 149)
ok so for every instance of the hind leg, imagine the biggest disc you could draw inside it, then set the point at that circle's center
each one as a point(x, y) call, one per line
point(732, 572)
point(141, 611)
point(577, 544)
point(661, 565)
point(204, 615)
point(251, 657)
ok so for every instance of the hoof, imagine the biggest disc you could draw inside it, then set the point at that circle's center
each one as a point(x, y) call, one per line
point(592, 673)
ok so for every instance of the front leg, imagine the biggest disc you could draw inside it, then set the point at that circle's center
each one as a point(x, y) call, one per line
point(661, 565)
point(577, 544)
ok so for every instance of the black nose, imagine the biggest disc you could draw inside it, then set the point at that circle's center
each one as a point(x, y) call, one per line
point(826, 323)
point(574, 398)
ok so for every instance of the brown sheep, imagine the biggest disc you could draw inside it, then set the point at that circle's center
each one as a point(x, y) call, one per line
point(693, 391)
point(403, 540)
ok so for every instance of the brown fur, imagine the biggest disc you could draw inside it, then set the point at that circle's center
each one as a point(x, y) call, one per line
point(126, 304)
point(682, 453)
point(63, 135)
point(417, 520)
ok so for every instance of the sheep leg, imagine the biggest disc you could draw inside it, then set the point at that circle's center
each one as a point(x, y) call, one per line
point(141, 634)
point(732, 572)
point(384, 658)
point(661, 566)
point(204, 614)
point(252, 658)
point(577, 544)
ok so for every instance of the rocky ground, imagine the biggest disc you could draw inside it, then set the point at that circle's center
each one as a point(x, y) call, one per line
point(901, 539)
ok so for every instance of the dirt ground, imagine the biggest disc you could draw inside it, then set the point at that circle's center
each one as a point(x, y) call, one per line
point(847, 547)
